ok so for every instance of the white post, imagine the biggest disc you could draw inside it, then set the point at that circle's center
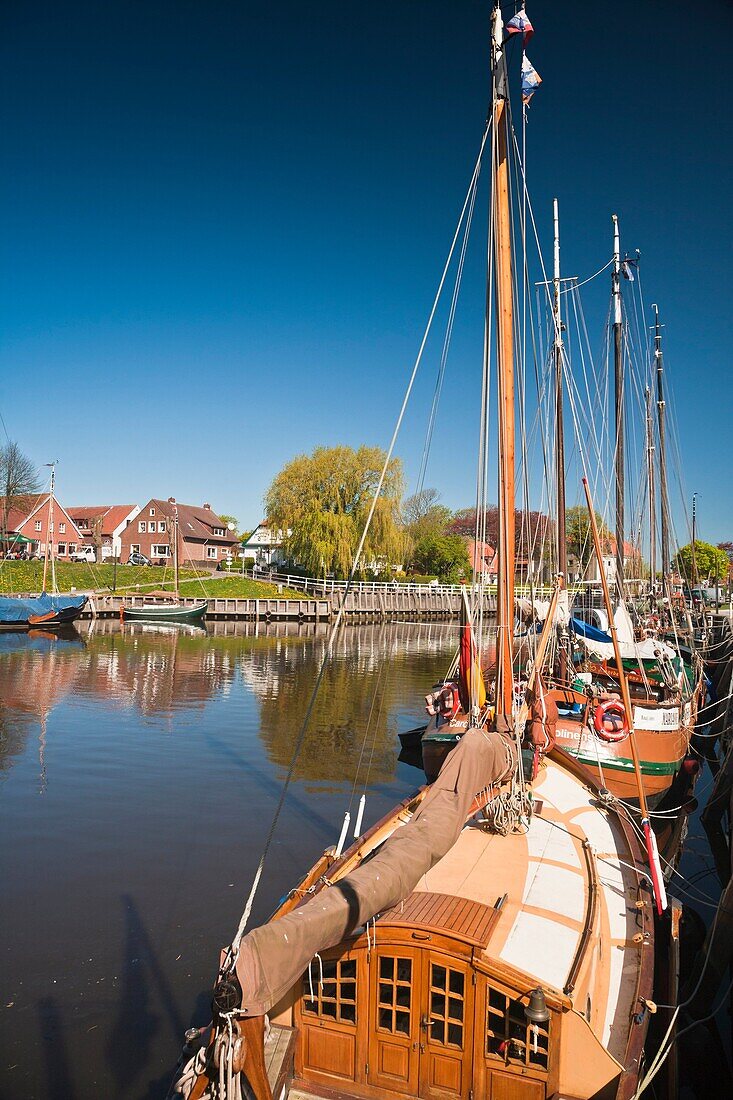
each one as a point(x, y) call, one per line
point(342, 838)
point(359, 816)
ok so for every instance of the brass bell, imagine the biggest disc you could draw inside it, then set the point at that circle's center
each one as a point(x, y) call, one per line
point(537, 1011)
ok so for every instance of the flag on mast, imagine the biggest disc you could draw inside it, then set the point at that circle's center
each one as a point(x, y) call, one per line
point(531, 80)
point(520, 24)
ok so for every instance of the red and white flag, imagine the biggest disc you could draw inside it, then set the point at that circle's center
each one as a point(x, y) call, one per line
point(520, 24)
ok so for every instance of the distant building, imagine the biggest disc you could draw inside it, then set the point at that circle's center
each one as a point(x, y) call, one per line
point(111, 518)
point(29, 517)
point(265, 546)
point(203, 537)
point(484, 560)
point(591, 573)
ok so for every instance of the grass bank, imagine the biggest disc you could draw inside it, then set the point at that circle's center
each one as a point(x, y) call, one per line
point(27, 576)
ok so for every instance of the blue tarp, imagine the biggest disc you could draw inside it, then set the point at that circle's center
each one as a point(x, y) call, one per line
point(13, 609)
point(588, 631)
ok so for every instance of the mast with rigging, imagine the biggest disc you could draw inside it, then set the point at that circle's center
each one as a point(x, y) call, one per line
point(652, 493)
point(618, 362)
point(505, 374)
point(661, 414)
point(559, 351)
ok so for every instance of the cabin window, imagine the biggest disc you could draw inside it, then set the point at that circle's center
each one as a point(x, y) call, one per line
point(394, 1001)
point(447, 995)
point(335, 999)
point(510, 1036)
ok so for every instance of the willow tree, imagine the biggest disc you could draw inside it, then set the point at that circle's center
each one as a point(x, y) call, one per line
point(321, 501)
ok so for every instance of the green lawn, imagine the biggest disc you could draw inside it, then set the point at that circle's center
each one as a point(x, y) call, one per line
point(236, 587)
point(27, 576)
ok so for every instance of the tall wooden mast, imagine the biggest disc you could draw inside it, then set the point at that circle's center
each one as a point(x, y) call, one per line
point(505, 375)
point(618, 362)
point(663, 497)
point(48, 556)
point(651, 476)
point(562, 549)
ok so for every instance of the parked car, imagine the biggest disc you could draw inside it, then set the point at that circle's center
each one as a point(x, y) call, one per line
point(136, 558)
point(84, 553)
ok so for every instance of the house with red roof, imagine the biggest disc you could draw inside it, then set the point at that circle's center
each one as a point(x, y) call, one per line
point(40, 520)
point(204, 538)
point(104, 524)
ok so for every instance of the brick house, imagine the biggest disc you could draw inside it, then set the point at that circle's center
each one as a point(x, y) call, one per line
point(111, 518)
point(203, 536)
point(29, 516)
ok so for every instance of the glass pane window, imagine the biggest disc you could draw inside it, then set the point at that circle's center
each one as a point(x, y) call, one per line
point(335, 997)
point(510, 1036)
point(446, 1010)
point(394, 995)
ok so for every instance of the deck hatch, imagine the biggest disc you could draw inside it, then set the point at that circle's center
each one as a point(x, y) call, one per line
point(466, 920)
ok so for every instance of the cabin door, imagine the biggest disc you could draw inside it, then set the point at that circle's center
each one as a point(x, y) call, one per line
point(421, 1024)
point(446, 1029)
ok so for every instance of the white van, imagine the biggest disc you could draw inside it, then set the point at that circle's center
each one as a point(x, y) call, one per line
point(84, 553)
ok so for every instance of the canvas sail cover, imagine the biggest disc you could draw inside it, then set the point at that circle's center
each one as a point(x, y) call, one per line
point(14, 609)
point(273, 957)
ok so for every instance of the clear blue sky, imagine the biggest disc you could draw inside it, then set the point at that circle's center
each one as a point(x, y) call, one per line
point(222, 223)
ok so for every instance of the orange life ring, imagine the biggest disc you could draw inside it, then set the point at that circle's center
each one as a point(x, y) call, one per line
point(610, 721)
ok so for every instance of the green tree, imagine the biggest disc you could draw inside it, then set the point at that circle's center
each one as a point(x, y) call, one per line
point(578, 533)
point(710, 561)
point(322, 501)
point(231, 523)
point(445, 556)
point(422, 515)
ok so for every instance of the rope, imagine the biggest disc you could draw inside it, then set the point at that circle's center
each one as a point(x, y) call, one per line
point(236, 941)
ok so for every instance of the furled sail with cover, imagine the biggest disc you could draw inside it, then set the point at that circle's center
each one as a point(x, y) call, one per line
point(272, 957)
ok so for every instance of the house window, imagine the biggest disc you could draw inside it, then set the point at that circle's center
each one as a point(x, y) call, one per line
point(161, 527)
point(61, 548)
point(141, 526)
point(72, 547)
point(509, 1034)
point(152, 511)
point(219, 531)
point(134, 547)
point(62, 528)
point(160, 551)
point(334, 997)
point(210, 551)
point(151, 527)
point(37, 525)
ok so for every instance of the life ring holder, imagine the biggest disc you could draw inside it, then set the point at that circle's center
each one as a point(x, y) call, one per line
point(613, 706)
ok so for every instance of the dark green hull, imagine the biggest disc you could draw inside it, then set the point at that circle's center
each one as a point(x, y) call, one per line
point(165, 613)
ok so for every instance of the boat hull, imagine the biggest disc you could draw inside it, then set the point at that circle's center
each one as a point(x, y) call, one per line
point(42, 611)
point(162, 613)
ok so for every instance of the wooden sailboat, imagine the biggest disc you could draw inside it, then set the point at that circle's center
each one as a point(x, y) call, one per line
point(665, 694)
point(485, 939)
point(169, 609)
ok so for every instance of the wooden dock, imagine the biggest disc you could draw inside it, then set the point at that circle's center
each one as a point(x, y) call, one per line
point(372, 605)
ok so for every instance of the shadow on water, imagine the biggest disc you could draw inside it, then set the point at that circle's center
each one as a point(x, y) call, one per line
point(137, 1024)
point(59, 1084)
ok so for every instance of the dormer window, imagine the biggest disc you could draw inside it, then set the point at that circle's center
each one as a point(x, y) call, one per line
point(219, 531)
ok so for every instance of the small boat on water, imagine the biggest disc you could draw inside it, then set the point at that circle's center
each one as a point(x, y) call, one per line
point(48, 609)
point(493, 935)
point(168, 608)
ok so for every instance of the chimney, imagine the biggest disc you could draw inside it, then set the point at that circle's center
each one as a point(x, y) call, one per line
point(207, 506)
point(171, 500)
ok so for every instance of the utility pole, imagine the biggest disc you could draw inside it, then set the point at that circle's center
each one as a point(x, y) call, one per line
point(619, 405)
